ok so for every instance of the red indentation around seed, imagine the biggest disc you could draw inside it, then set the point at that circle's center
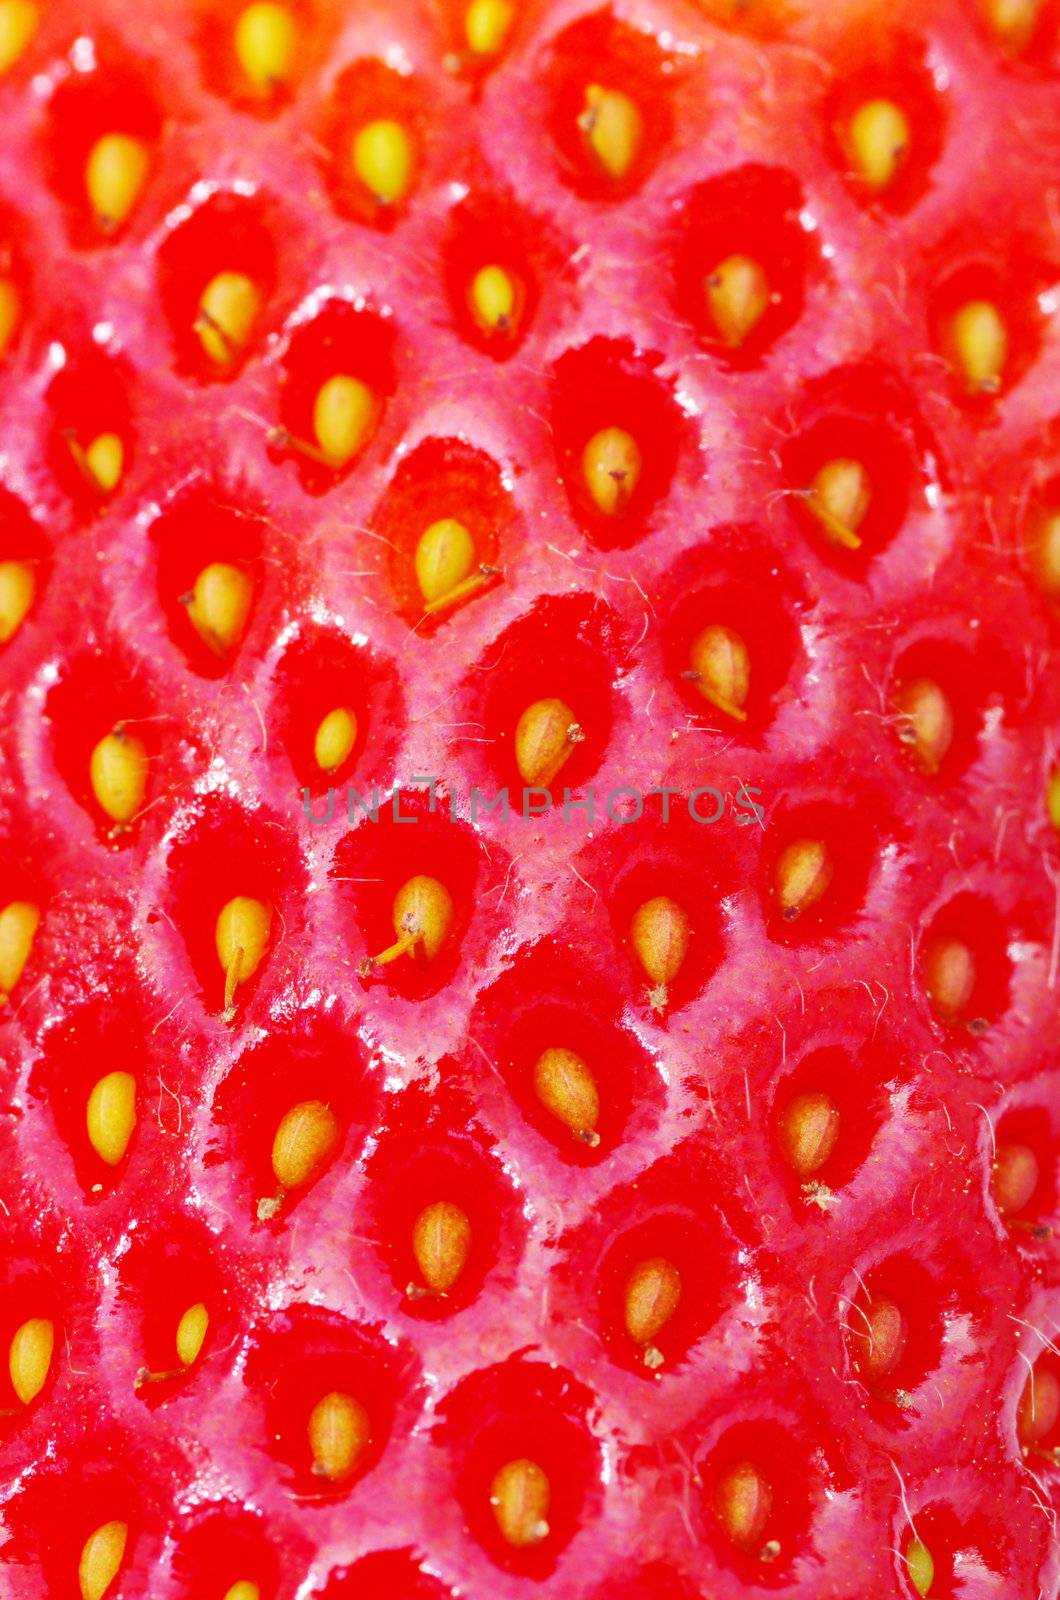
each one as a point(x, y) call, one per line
point(367, 92)
point(226, 232)
point(320, 1061)
point(304, 1353)
point(490, 229)
point(971, 920)
point(192, 532)
point(377, 858)
point(335, 338)
point(521, 1410)
point(435, 1152)
point(91, 102)
point(540, 1005)
point(608, 384)
point(445, 478)
point(752, 211)
point(223, 854)
point(727, 581)
point(324, 670)
point(893, 68)
point(600, 49)
point(865, 414)
point(89, 396)
point(567, 647)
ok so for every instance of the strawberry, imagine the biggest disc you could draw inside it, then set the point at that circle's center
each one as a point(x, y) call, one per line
point(530, 800)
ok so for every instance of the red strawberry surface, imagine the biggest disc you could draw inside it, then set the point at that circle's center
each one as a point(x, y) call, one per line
point(652, 406)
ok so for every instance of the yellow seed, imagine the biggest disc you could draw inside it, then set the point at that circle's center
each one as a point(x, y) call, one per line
point(243, 1590)
point(1039, 1409)
point(241, 937)
point(383, 160)
point(306, 1139)
point(118, 770)
point(566, 1088)
point(611, 467)
point(335, 739)
point(743, 1501)
point(809, 1130)
point(220, 605)
point(445, 556)
point(345, 414)
point(265, 41)
point(10, 312)
point(545, 737)
point(1013, 21)
point(1045, 554)
point(30, 1358)
point(1052, 798)
point(653, 1293)
point(115, 174)
point(737, 297)
point(493, 298)
point(804, 874)
point(101, 1558)
point(921, 1567)
point(877, 140)
point(949, 976)
point(926, 722)
point(978, 340)
point(721, 668)
point(441, 1240)
point(18, 23)
point(105, 461)
point(111, 1116)
point(520, 1495)
point(19, 922)
point(18, 585)
point(660, 931)
point(613, 129)
point(487, 24)
point(229, 307)
point(423, 908)
point(1015, 1177)
point(191, 1333)
point(339, 1434)
point(880, 1334)
point(839, 498)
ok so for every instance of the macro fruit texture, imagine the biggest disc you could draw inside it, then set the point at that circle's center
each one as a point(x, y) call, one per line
point(654, 402)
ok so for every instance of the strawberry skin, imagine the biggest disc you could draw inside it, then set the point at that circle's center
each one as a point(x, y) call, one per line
point(649, 409)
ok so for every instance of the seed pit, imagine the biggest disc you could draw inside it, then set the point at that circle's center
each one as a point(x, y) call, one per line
point(964, 964)
point(304, 1354)
point(91, 104)
point(225, 234)
point(445, 480)
point(751, 212)
point(339, 340)
point(525, 1014)
point(197, 532)
point(840, 422)
point(891, 70)
point(322, 670)
point(376, 184)
point(222, 855)
point(309, 1064)
point(609, 387)
point(565, 649)
point(424, 1162)
point(603, 54)
point(521, 1411)
point(379, 859)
